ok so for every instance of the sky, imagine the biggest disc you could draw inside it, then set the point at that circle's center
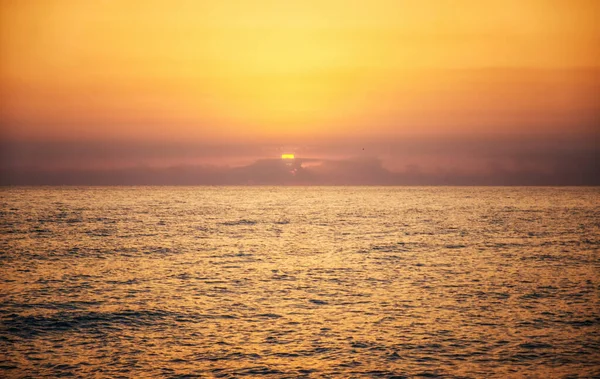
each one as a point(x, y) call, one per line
point(458, 92)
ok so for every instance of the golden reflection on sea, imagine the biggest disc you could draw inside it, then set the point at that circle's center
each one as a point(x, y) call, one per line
point(300, 282)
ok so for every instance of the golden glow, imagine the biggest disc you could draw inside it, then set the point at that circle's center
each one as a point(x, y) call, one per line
point(240, 69)
point(287, 156)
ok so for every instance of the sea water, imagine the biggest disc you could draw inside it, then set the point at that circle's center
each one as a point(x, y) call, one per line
point(317, 282)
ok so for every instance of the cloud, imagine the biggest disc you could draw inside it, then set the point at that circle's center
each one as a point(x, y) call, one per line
point(578, 171)
point(552, 160)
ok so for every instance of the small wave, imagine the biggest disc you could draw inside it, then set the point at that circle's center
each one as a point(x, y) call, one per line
point(259, 370)
point(29, 326)
point(427, 374)
point(455, 246)
point(268, 315)
point(239, 222)
point(388, 248)
point(535, 345)
point(589, 322)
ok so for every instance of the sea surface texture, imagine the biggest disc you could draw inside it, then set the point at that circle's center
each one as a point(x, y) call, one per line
point(287, 282)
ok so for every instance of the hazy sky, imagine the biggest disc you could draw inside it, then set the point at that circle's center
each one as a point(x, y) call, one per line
point(433, 84)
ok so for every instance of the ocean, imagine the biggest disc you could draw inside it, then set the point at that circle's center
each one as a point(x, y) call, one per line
point(289, 282)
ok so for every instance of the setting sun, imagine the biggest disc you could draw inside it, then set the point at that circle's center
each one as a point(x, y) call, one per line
point(287, 156)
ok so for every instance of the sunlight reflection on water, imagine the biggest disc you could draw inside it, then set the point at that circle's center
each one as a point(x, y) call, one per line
point(289, 282)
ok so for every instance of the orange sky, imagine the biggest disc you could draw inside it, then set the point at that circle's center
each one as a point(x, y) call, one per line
point(285, 71)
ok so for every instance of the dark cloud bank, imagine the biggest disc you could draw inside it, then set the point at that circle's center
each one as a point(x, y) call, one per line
point(551, 162)
point(276, 172)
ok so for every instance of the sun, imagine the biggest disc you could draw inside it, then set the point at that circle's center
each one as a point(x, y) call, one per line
point(287, 156)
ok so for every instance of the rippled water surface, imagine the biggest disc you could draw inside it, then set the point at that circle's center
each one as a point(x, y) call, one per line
point(300, 282)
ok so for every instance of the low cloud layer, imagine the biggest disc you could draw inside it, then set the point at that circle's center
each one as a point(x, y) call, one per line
point(558, 160)
point(328, 172)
